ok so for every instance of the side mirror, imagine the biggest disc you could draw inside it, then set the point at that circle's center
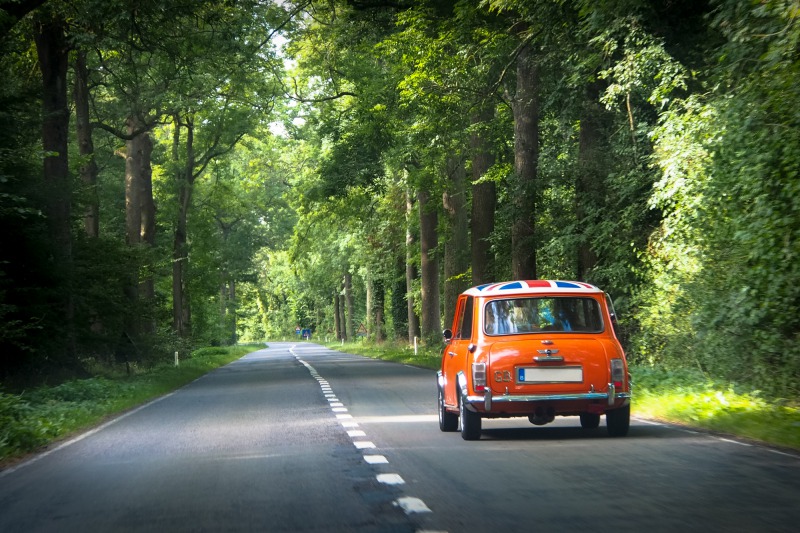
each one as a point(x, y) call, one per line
point(448, 334)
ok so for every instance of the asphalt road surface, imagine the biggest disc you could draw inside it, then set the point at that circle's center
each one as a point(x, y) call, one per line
point(298, 438)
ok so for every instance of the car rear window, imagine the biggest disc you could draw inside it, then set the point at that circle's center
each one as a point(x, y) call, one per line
point(532, 315)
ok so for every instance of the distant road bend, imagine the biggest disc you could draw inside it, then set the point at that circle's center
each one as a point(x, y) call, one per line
point(300, 438)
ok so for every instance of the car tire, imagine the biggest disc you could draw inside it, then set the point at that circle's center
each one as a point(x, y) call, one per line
point(447, 421)
point(470, 422)
point(618, 421)
point(590, 420)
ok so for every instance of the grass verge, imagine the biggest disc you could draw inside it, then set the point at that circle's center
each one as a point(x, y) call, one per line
point(683, 397)
point(33, 419)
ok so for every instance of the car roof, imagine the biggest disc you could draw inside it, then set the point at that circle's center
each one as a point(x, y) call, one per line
point(533, 287)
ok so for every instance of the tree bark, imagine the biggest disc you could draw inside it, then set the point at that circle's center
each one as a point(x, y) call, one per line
point(133, 186)
point(589, 182)
point(147, 220)
point(484, 201)
point(398, 301)
point(88, 169)
point(52, 51)
point(525, 107)
point(348, 296)
point(337, 325)
point(343, 316)
point(368, 318)
point(181, 313)
point(411, 272)
point(456, 249)
point(429, 266)
point(379, 297)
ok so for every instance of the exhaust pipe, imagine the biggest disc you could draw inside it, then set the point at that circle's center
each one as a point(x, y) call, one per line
point(542, 415)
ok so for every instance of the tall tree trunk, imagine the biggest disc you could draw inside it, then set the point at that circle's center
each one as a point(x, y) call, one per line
point(398, 302)
point(456, 249)
point(411, 272)
point(147, 232)
point(232, 309)
point(368, 318)
point(348, 296)
point(589, 183)
point(181, 313)
point(429, 265)
point(133, 187)
point(139, 218)
point(343, 316)
point(525, 107)
point(380, 296)
point(337, 323)
point(484, 199)
point(52, 51)
point(88, 169)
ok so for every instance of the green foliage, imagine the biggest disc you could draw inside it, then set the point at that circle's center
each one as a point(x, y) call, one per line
point(724, 274)
point(689, 397)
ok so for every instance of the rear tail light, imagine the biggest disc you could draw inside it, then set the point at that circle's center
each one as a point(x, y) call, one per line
point(617, 373)
point(479, 376)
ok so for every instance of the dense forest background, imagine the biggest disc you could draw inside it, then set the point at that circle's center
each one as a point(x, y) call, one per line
point(176, 173)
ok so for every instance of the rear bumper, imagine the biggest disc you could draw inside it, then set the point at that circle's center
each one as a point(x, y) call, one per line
point(611, 397)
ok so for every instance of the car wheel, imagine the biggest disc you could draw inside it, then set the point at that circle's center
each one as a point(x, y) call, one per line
point(447, 421)
point(470, 422)
point(590, 420)
point(618, 421)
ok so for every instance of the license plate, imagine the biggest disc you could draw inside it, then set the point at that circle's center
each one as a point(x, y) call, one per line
point(562, 374)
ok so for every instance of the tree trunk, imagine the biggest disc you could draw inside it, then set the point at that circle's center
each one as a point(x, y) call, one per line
point(343, 316)
point(232, 309)
point(348, 296)
point(337, 325)
point(133, 187)
point(52, 51)
point(456, 250)
point(88, 169)
point(379, 295)
point(429, 265)
point(525, 107)
point(411, 272)
point(589, 183)
point(398, 302)
point(148, 223)
point(181, 313)
point(368, 318)
point(484, 201)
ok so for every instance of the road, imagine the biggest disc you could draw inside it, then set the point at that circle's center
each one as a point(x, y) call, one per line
point(298, 438)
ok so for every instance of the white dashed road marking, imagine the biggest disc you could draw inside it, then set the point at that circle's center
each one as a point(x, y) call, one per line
point(390, 479)
point(408, 504)
point(412, 505)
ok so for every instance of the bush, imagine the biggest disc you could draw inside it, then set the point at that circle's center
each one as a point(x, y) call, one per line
point(19, 428)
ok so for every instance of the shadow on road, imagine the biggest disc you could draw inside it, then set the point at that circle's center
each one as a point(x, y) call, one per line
point(554, 433)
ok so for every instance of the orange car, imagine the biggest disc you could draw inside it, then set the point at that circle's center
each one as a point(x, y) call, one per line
point(538, 349)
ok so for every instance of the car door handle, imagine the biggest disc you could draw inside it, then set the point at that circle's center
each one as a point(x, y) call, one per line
point(451, 354)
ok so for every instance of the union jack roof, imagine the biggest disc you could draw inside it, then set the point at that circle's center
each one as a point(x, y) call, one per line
point(531, 286)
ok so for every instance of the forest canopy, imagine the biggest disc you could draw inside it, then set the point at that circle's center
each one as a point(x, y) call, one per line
point(181, 173)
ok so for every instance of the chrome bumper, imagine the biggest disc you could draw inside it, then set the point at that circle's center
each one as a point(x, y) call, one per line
point(488, 398)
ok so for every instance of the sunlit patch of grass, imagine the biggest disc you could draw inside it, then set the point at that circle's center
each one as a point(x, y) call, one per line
point(397, 352)
point(35, 418)
point(686, 397)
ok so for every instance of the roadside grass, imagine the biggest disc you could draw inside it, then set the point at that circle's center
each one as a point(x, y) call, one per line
point(396, 352)
point(681, 396)
point(33, 419)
